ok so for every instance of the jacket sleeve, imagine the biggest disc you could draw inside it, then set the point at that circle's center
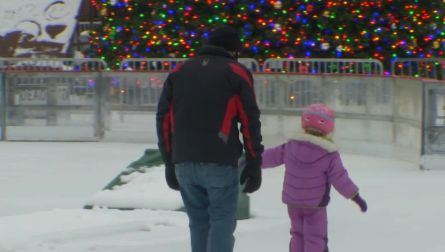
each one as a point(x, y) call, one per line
point(339, 178)
point(164, 122)
point(249, 114)
point(273, 157)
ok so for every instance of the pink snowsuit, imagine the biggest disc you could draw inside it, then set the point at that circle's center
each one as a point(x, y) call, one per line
point(312, 165)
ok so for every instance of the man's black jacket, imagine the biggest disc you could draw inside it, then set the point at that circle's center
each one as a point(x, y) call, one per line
point(202, 103)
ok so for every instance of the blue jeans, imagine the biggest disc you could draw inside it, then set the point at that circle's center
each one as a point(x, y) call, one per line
point(210, 195)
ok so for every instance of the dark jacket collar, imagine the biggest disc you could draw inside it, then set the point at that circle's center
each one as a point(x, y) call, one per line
point(215, 50)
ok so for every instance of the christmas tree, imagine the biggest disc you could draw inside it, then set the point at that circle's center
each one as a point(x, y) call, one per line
point(384, 30)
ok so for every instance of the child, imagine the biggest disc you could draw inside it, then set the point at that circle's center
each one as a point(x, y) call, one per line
point(312, 164)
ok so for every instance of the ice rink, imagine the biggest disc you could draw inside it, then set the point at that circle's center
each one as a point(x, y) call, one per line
point(44, 186)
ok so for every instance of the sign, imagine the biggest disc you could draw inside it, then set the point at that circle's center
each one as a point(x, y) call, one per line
point(35, 28)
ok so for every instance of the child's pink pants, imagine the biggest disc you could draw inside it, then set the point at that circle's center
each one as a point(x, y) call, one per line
point(309, 229)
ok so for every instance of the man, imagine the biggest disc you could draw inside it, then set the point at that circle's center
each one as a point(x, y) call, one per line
point(202, 103)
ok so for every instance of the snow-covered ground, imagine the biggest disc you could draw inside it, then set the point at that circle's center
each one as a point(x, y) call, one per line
point(44, 186)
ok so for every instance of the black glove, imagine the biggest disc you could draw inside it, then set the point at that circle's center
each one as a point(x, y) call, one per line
point(360, 202)
point(170, 177)
point(251, 176)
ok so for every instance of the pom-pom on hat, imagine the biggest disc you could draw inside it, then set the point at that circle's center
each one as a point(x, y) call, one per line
point(226, 37)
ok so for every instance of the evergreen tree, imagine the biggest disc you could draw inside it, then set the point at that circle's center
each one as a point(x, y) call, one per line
point(378, 29)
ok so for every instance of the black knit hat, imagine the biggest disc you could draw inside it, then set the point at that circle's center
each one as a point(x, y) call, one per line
point(226, 37)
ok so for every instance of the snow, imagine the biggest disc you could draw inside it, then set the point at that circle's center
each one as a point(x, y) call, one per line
point(44, 186)
point(137, 192)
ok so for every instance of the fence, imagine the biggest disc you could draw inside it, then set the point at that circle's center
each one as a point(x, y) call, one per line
point(53, 64)
point(433, 68)
point(434, 118)
point(48, 105)
point(302, 66)
point(322, 66)
point(168, 64)
point(396, 116)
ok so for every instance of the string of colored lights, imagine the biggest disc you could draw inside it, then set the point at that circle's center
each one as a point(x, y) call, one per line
point(384, 30)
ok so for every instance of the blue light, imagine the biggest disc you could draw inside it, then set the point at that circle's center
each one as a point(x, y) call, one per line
point(309, 43)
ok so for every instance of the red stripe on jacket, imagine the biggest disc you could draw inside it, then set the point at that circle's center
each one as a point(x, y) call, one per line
point(167, 128)
point(235, 108)
point(231, 112)
point(242, 72)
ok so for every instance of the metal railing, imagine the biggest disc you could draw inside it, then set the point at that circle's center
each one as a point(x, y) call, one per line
point(52, 64)
point(45, 101)
point(324, 66)
point(433, 68)
point(168, 64)
point(119, 105)
point(150, 64)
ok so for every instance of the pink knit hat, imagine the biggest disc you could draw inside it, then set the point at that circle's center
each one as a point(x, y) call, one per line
point(318, 117)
